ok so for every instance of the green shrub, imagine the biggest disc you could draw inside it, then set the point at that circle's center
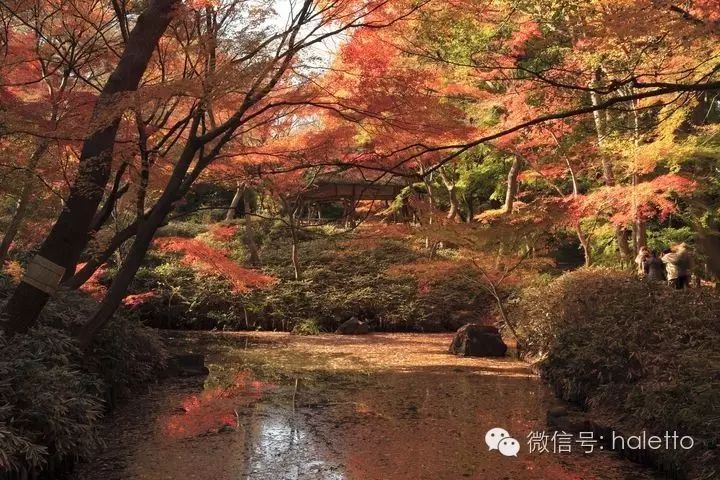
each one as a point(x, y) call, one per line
point(307, 326)
point(452, 301)
point(52, 395)
point(646, 354)
point(663, 238)
point(125, 354)
point(340, 279)
point(182, 229)
point(184, 299)
point(48, 409)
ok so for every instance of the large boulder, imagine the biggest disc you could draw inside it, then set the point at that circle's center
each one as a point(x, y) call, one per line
point(353, 327)
point(473, 340)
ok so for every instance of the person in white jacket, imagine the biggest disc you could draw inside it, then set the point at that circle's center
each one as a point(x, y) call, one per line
point(678, 263)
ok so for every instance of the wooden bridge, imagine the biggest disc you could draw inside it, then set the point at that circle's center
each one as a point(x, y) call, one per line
point(349, 188)
point(354, 186)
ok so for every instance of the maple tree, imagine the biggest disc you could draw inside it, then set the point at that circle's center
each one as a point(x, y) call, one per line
point(208, 126)
point(577, 88)
point(65, 242)
point(289, 165)
point(487, 108)
point(45, 101)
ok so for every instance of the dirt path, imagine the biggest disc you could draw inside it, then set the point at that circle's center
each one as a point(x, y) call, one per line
point(384, 406)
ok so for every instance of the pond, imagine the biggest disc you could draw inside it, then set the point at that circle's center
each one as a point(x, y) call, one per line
point(381, 406)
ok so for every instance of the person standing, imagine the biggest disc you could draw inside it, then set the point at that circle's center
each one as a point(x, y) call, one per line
point(641, 261)
point(678, 263)
point(655, 268)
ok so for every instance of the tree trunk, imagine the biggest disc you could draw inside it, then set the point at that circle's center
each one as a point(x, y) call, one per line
point(349, 213)
point(623, 240)
point(639, 226)
point(709, 242)
point(143, 238)
point(100, 219)
point(469, 211)
point(249, 237)
point(452, 194)
point(294, 249)
point(512, 183)
point(454, 204)
point(105, 212)
point(91, 266)
point(582, 237)
point(68, 236)
point(237, 198)
point(585, 243)
point(84, 274)
point(640, 234)
point(23, 201)
point(621, 235)
point(295, 259)
point(601, 128)
point(431, 201)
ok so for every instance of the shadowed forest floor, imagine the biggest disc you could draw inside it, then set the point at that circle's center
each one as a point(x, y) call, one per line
point(382, 406)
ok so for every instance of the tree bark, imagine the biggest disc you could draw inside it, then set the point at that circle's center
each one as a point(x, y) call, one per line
point(469, 210)
point(249, 237)
point(143, 238)
point(452, 195)
point(623, 240)
point(68, 237)
point(100, 219)
point(91, 266)
point(454, 204)
point(349, 212)
point(237, 198)
point(295, 259)
point(512, 183)
point(431, 201)
point(709, 242)
point(582, 236)
point(640, 234)
point(639, 225)
point(585, 243)
point(621, 236)
point(294, 256)
point(105, 212)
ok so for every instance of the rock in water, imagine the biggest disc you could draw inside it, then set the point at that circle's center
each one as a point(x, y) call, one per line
point(186, 365)
point(473, 340)
point(353, 327)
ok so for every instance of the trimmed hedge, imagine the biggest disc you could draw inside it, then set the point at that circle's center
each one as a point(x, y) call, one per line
point(645, 354)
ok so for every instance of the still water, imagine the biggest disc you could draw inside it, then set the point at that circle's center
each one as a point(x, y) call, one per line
point(383, 406)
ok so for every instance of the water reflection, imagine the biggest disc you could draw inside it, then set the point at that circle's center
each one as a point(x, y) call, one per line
point(428, 425)
point(283, 447)
point(214, 408)
point(385, 407)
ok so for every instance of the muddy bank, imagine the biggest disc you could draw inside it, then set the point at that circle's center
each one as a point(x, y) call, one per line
point(384, 406)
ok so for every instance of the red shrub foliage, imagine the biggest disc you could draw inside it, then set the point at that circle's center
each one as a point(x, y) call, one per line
point(223, 233)
point(135, 301)
point(647, 200)
point(214, 261)
point(93, 287)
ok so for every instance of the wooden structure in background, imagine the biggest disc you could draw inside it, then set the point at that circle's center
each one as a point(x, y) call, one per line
point(349, 188)
point(353, 187)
